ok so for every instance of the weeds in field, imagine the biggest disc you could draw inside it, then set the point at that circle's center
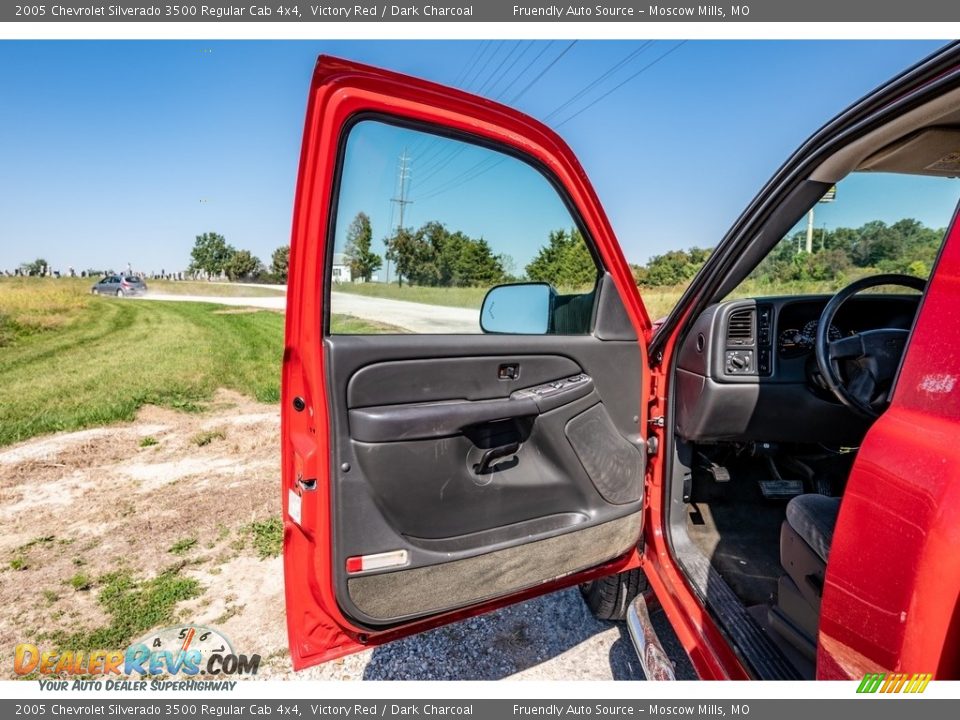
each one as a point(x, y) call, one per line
point(183, 546)
point(42, 540)
point(134, 606)
point(267, 537)
point(20, 561)
point(207, 436)
point(80, 582)
point(148, 441)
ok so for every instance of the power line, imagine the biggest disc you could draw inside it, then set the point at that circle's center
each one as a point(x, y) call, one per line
point(541, 73)
point(493, 76)
point(526, 48)
point(456, 180)
point(620, 85)
point(495, 47)
point(596, 81)
point(529, 65)
point(477, 170)
point(482, 63)
point(469, 64)
point(437, 163)
point(419, 144)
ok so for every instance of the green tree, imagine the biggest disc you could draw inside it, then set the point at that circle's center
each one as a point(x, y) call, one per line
point(907, 246)
point(363, 261)
point(242, 264)
point(674, 267)
point(564, 262)
point(280, 262)
point(434, 256)
point(36, 267)
point(408, 251)
point(210, 253)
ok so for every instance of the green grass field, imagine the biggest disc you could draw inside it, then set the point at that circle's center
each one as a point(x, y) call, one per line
point(466, 297)
point(69, 360)
point(219, 289)
point(657, 300)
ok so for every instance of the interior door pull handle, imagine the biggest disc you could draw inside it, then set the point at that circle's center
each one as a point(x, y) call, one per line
point(495, 454)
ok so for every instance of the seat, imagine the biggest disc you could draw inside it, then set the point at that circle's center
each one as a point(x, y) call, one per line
point(813, 518)
point(805, 538)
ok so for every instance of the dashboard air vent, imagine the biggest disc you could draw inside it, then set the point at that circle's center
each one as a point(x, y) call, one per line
point(740, 327)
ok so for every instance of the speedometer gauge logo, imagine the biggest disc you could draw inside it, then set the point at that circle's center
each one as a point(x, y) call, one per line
point(184, 638)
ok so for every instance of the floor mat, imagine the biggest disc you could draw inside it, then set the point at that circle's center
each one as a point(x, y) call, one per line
point(740, 532)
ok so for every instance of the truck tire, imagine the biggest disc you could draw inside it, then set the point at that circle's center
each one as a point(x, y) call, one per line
point(608, 597)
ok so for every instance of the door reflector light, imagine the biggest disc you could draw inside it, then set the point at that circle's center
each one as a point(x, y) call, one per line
point(362, 563)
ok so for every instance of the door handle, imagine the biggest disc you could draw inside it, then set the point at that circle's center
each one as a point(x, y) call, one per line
point(494, 454)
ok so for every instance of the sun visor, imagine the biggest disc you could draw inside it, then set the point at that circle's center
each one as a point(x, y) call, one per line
point(935, 151)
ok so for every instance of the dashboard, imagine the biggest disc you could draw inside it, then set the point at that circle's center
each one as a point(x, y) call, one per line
point(747, 371)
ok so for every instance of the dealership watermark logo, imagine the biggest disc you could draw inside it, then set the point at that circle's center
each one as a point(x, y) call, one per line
point(894, 682)
point(183, 651)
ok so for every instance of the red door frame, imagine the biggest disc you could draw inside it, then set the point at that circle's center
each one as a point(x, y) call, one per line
point(341, 90)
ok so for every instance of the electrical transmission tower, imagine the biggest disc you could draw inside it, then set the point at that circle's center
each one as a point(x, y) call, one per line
point(403, 179)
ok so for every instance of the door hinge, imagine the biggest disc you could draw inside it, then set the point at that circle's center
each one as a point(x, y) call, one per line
point(657, 421)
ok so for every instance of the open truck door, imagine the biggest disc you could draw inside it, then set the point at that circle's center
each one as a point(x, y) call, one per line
point(430, 476)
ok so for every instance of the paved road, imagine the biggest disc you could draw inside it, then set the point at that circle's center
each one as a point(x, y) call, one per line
point(415, 317)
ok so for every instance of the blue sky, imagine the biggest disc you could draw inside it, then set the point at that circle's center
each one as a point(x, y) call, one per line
point(116, 152)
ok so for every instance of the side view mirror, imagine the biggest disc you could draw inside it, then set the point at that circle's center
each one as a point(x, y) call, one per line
point(517, 309)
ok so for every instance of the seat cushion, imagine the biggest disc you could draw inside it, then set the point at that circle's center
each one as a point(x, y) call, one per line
point(814, 518)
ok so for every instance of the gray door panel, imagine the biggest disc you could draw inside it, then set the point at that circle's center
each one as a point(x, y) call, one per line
point(414, 420)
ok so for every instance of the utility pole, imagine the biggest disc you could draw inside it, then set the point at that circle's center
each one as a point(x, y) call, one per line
point(401, 197)
point(828, 197)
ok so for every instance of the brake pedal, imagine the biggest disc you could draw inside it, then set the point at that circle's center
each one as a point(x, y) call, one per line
point(780, 489)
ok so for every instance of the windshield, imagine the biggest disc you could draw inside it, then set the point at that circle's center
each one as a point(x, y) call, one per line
point(870, 223)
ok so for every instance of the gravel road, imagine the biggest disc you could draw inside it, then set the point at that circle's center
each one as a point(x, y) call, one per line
point(415, 317)
point(553, 637)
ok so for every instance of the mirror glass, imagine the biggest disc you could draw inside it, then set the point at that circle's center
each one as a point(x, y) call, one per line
point(522, 309)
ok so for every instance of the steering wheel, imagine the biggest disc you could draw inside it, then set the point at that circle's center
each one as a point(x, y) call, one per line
point(869, 359)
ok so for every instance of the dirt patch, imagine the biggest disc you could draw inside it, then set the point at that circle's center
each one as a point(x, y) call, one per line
point(143, 510)
point(144, 497)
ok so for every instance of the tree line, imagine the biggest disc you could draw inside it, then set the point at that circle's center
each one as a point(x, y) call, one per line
point(435, 256)
point(907, 246)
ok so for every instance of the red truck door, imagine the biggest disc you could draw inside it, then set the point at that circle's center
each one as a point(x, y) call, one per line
point(429, 477)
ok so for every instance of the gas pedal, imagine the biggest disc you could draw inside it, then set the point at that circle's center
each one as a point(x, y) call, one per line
point(780, 489)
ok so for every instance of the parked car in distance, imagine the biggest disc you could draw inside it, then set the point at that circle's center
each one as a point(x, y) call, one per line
point(120, 286)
